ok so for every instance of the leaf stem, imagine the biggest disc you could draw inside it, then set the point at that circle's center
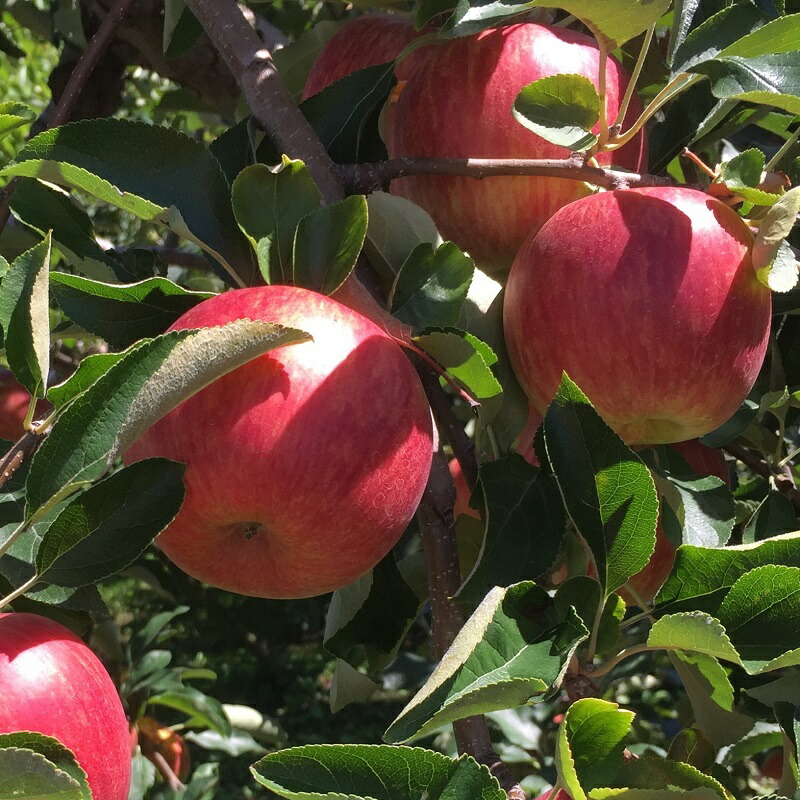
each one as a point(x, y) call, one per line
point(602, 68)
point(604, 669)
point(634, 79)
point(13, 536)
point(9, 598)
point(784, 149)
point(30, 413)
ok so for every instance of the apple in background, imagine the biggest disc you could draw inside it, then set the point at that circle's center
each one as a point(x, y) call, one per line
point(157, 738)
point(772, 765)
point(463, 492)
point(52, 683)
point(562, 795)
point(362, 42)
point(14, 402)
point(457, 102)
point(305, 465)
point(648, 299)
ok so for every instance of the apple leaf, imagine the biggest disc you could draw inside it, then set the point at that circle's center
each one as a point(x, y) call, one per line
point(702, 793)
point(608, 491)
point(774, 516)
point(589, 745)
point(775, 227)
point(763, 736)
point(525, 524)
point(694, 632)
point(742, 174)
point(269, 204)
point(468, 361)
point(345, 114)
point(348, 685)
point(431, 286)
point(327, 243)
point(702, 575)
point(56, 753)
point(14, 115)
point(108, 526)
point(782, 274)
point(204, 711)
point(711, 696)
point(30, 776)
point(45, 208)
point(373, 772)
point(295, 59)
point(584, 595)
point(513, 650)
point(369, 618)
point(652, 772)
point(25, 317)
point(562, 109)
point(154, 377)
point(89, 370)
point(761, 614)
point(153, 172)
point(181, 28)
point(123, 313)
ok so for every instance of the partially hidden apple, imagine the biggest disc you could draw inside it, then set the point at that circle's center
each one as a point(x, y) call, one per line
point(14, 402)
point(455, 100)
point(52, 683)
point(305, 465)
point(648, 300)
point(363, 42)
point(171, 746)
point(463, 492)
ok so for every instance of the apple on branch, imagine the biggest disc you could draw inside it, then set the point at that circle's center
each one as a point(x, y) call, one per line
point(52, 683)
point(303, 466)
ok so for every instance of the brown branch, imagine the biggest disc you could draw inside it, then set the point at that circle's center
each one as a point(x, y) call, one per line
point(18, 453)
point(77, 80)
point(783, 482)
point(437, 528)
point(359, 178)
point(167, 773)
point(270, 101)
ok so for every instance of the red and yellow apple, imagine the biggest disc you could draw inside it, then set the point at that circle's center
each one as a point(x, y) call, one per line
point(456, 102)
point(362, 42)
point(52, 683)
point(157, 738)
point(305, 465)
point(14, 402)
point(648, 300)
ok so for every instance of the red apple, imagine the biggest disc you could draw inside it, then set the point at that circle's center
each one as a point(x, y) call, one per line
point(463, 492)
point(362, 42)
point(648, 299)
point(52, 683)
point(562, 795)
point(772, 765)
point(305, 465)
point(457, 101)
point(157, 738)
point(14, 402)
point(704, 461)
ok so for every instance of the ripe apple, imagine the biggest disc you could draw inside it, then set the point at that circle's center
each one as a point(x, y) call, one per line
point(157, 738)
point(457, 102)
point(363, 42)
point(305, 465)
point(648, 299)
point(52, 683)
point(772, 765)
point(14, 402)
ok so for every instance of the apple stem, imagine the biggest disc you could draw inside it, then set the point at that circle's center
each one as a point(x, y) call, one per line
point(634, 79)
point(784, 149)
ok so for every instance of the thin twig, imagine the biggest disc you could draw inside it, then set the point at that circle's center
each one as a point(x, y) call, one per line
point(760, 467)
point(15, 457)
point(359, 178)
point(77, 80)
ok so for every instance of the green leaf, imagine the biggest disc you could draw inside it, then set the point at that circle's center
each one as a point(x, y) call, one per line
point(108, 526)
point(607, 489)
point(345, 114)
point(269, 205)
point(348, 685)
point(652, 772)
point(562, 109)
point(370, 617)
point(701, 575)
point(617, 20)
point(761, 614)
point(431, 286)
point(181, 28)
point(774, 516)
point(14, 115)
point(775, 227)
point(52, 749)
point(155, 173)
point(589, 745)
point(377, 772)
point(25, 317)
point(744, 170)
point(465, 359)
point(695, 632)
point(763, 736)
point(513, 650)
point(294, 60)
point(584, 595)
point(205, 711)
point(525, 524)
point(25, 775)
point(123, 313)
point(778, 36)
point(154, 377)
point(782, 274)
point(327, 243)
point(703, 793)
point(45, 208)
point(89, 370)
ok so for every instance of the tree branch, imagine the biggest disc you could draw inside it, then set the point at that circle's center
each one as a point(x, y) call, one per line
point(270, 101)
point(783, 481)
point(18, 453)
point(360, 178)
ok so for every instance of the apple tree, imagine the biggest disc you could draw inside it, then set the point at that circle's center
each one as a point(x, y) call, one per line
point(476, 321)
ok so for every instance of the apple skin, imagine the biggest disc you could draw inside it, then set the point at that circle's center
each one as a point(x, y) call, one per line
point(772, 765)
point(363, 42)
point(52, 683)
point(463, 493)
point(14, 402)
point(305, 465)
point(155, 737)
point(456, 103)
point(648, 299)
point(703, 460)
